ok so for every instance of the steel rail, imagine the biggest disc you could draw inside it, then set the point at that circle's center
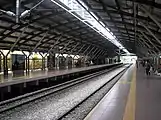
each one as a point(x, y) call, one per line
point(30, 97)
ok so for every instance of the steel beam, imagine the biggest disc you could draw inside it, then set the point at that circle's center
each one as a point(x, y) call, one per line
point(54, 44)
point(151, 33)
point(28, 11)
point(151, 16)
point(94, 52)
point(73, 48)
point(145, 43)
point(86, 49)
point(98, 50)
point(145, 36)
point(135, 22)
point(40, 41)
point(18, 39)
point(65, 46)
point(90, 51)
point(101, 51)
point(80, 50)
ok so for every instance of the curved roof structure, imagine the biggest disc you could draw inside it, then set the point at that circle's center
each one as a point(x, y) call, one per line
point(41, 25)
point(136, 23)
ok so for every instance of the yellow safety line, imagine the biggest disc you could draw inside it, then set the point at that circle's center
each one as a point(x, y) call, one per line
point(130, 106)
point(124, 82)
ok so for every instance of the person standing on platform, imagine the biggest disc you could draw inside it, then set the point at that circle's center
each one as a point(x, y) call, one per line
point(137, 64)
point(148, 68)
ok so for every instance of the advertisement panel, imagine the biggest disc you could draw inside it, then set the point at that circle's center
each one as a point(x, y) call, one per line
point(18, 62)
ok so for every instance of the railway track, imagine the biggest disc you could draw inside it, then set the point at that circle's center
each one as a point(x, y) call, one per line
point(75, 113)
point(30, 97)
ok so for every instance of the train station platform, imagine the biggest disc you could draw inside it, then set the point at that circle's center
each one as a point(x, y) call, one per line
point(10, 80)
point(134, 97)
point(14, 86)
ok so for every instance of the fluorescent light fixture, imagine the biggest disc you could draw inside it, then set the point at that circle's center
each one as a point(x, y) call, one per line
point(102, 24)
point(127, 52)
point(81, 12)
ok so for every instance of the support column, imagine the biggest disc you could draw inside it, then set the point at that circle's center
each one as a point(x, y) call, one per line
point(66, 61)
point(73, 64)
point(28, 63)
point(119, 56)
point(25, 61)
point(0, 63)
point(51, 62)
point(5, 66)
point(43, 61)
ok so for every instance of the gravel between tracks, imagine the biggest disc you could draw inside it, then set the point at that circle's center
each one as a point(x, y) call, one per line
point(53, 106)
point(82, 111)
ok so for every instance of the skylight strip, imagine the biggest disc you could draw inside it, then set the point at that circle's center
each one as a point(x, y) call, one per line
point(89, 18)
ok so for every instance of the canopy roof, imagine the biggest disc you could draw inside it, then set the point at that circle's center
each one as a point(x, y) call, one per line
point(136, 23)
point(49, 28)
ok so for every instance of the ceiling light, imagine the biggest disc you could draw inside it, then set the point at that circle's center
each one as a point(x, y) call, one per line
point(81, 12)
